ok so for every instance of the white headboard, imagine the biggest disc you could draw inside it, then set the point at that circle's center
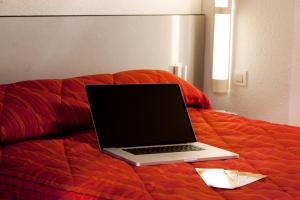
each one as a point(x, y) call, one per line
point(65, 46)
point(98, 7)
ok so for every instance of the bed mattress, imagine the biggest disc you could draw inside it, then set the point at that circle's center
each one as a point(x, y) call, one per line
point(49, 149)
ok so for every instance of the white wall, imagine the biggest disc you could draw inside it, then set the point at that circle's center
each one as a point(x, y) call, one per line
point(98, 7)
point(263, 46)
point(294, 117)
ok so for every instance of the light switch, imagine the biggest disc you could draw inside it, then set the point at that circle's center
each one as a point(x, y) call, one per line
point(241, 78)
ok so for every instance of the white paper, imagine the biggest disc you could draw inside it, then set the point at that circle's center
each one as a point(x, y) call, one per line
point(227, 179)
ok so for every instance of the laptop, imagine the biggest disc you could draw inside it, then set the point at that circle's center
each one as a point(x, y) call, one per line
point(147, 124)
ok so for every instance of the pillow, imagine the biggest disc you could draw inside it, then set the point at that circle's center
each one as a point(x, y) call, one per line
point(192, 96)
point(32, 109)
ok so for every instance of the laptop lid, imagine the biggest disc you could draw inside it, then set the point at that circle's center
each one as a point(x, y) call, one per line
point(139, 115)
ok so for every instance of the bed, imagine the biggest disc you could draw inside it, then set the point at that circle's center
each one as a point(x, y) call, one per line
point(49, 149)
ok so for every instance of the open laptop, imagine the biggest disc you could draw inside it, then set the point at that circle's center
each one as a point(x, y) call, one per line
point(147, 124)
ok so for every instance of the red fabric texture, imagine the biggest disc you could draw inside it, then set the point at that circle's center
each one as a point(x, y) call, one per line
point(38, 108)
point(70, 166)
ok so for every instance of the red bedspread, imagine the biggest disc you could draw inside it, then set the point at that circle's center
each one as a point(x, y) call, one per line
point(64, 162)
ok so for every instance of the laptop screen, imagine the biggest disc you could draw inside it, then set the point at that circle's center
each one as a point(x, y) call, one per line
point(139, 115)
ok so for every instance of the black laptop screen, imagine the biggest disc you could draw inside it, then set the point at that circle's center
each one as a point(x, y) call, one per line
point(139, 115)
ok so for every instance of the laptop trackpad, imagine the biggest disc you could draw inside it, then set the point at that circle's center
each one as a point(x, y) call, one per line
point(186, 156)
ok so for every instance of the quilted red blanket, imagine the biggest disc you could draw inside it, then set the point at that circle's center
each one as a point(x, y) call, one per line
point(49, 149)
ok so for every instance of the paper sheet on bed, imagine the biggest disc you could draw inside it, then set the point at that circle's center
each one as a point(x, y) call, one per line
point(227, 179)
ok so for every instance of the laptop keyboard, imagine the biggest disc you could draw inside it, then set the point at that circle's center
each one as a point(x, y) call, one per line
point(163, 149)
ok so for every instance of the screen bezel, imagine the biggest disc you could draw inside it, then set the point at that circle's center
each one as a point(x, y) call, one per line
point(90, 88)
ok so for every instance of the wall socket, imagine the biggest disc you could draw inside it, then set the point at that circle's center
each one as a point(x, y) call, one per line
point(180, 71)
